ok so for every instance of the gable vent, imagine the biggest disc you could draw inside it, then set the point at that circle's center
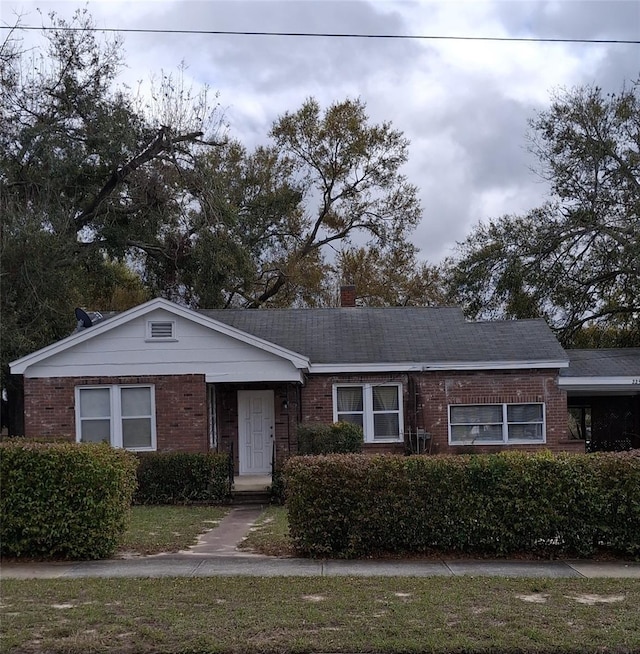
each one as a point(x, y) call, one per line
point(161, 330)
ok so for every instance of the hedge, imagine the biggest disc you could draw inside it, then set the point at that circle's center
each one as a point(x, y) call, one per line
point(64, 500)
point(485, 505)
point(336, 438)
point(318, 438)
point(182, 478)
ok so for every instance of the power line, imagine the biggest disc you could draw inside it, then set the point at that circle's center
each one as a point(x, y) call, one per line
point(420, 37)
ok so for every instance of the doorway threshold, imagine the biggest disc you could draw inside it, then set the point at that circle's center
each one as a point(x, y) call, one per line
point(251, 482)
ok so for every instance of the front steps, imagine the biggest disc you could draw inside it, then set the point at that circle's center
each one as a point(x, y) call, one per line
point(251, 489)
point(250, 497)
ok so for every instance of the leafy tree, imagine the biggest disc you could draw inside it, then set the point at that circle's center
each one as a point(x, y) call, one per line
point(576, 259)
point(260, 223)
point(349, 173)
point(390, 277)
point(76, 160)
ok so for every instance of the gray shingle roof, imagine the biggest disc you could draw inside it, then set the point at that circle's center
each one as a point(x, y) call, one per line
point(618, 362)
point(395, 335)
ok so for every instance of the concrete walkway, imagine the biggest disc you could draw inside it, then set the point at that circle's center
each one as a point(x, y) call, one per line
point(224, 539)
point(216, 554)
point(263, 566)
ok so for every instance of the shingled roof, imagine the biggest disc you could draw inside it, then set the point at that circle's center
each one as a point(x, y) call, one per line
point(614, 362)
point(364, 335)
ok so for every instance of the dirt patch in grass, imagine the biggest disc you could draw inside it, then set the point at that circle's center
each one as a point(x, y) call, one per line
point(534, 598)
point(592, 600)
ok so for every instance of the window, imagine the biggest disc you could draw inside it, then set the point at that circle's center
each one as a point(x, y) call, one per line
point(160, 330)
point(481, 424)
point(377, 408)
point(121, 415)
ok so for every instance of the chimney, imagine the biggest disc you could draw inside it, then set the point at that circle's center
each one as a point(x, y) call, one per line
point(348, 296)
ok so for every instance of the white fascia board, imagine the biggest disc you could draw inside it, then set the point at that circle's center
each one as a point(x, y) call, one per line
point(609, 383)
point(296, 377)
point(19, 366)
point(434, 366)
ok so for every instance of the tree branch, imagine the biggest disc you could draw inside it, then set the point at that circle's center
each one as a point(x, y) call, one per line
point(162, 142)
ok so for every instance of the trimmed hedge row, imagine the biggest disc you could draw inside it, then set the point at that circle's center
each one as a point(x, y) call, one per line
point(64, 500)
point(336, 438)
point(356, 505)
point(316, 438)
point(182, 478)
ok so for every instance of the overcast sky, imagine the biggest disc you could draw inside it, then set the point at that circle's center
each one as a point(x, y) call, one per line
point(463, 105)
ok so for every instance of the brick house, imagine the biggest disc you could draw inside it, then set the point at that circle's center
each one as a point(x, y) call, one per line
point(163, 377)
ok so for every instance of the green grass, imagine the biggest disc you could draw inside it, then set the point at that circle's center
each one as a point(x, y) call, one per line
point(270, 534)
point(155, 529)
point(240, 614)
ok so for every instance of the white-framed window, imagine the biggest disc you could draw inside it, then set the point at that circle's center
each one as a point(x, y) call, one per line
point(377, 408)
point(161, 330)
point(121, 415)
point(496, 424)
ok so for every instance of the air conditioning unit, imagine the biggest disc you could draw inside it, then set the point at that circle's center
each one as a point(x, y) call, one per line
point(423, 440)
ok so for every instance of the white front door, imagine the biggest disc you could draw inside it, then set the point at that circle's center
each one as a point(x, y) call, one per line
point(255, 431)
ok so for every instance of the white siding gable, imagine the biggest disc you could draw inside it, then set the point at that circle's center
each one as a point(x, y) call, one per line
point(128, 348)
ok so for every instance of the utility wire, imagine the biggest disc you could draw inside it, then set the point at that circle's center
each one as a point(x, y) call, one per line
point(423, 37)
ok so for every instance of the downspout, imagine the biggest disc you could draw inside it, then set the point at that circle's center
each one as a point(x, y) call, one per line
point(213, 419)
point(288, 422)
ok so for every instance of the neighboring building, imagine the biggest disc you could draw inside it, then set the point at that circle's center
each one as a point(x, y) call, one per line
point(167, 378)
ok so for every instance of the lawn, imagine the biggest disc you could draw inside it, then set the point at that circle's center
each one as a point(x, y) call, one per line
point(241, 614)
point(155, 529)
point(270, 534)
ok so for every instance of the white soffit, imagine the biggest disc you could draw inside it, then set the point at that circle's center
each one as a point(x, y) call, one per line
point(623, 383)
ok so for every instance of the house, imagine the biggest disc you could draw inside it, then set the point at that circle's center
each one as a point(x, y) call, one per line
point(603, 394)
point(164, 377)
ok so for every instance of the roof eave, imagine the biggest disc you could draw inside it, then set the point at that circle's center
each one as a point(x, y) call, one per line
point(604, 383)
point(434, 366)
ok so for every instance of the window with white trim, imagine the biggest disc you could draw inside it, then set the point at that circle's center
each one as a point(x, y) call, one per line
point(161, 330)
point(377, 408)
point(123, 416)
point(496, 424)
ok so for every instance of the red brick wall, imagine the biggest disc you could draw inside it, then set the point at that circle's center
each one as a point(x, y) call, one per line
point(181, 408)
point(434, 391)
point(317, 402)
point(182, 421)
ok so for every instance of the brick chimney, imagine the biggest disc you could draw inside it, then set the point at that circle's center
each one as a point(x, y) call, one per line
point(348, 296)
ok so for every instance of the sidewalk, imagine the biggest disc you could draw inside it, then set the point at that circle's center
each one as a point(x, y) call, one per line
point(180, 565)
point(216, 554)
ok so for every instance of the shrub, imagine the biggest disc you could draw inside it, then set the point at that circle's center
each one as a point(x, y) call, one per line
point(66, 500)
point(182, 478)
point(277, 488)
point(337, 438)
point(354, 505)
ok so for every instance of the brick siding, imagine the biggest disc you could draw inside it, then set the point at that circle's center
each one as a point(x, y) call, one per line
point(181, 408)
point(435, 391)
point(182, 411)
